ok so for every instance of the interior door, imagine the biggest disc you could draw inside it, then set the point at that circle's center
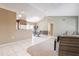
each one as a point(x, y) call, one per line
point(50, 29)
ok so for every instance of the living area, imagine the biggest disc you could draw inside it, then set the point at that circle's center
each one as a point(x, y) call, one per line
point(36, 29)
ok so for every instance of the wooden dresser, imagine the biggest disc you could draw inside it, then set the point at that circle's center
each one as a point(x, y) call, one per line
point(68, 45)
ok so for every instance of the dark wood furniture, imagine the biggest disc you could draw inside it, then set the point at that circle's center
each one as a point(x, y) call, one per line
point(68, 45)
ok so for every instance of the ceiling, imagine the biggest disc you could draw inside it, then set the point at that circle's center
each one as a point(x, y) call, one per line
point(43, 9)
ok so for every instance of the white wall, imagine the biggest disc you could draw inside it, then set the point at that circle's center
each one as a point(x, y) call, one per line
point(61, 24)
point(43, 24)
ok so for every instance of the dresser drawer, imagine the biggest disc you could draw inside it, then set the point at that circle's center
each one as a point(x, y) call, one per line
point(69, 46)
point(72, 49)
point(67, 53)
point(70, 40)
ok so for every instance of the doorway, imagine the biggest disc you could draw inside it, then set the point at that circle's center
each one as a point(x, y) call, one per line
point(50, 29)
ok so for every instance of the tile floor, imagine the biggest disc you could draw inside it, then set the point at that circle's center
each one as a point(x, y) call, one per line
point(15, 48)
point(19, 48)
point(44, 48)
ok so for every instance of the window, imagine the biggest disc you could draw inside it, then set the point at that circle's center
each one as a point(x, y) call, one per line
point(25, 27)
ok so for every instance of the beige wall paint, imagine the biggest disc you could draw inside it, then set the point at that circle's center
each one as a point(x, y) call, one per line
point(24, 34)
point(7, 26)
